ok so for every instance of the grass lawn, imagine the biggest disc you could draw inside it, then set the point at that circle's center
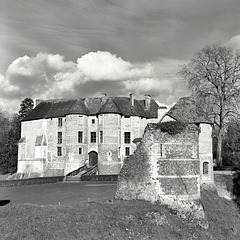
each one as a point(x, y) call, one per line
point(117, 220)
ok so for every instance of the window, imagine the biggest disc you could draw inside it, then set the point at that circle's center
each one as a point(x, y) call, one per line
point(127, 137)
point(79, 151)
point(127, 151)
point(93, 121)
point(80, 136)
point(159, 149)
point(119, 152)
point(101, 137)
point(205, 168)
point(59, 138)
point(60, 122)
point(109, 156)
point(93, 137)
point(59, 151)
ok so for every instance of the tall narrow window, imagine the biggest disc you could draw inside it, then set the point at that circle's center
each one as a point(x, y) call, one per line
point(119, 152)
point(79, 151)
point(127, 137)
point(101, 136)
point(205, 168)
point(59, 151)
point(60, 122)
point(80, 136)
point(93, 137)
point(93, 121)
point(159, 149)
point(59, 138)
point(127, 151)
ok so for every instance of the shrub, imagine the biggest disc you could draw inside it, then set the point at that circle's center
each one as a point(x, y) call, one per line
point(173, 127)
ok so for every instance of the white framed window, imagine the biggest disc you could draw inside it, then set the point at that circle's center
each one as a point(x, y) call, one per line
point(93, 137)
point(60, 122)
point(59, 151)
point(127, 137)
point(127, 151)
point(59, 141)
point(80, 136)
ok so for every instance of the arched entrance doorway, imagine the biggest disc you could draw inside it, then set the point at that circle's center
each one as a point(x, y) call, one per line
point(93, 158)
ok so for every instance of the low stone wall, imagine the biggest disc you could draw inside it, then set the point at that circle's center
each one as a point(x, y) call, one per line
point(30, 181)
point(99, 178)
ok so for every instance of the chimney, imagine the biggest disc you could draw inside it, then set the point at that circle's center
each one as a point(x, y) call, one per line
point(103, 97)
point(131, 99)
point(147, 101)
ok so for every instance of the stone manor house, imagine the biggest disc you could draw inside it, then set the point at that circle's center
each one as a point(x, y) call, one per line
point(60, 136)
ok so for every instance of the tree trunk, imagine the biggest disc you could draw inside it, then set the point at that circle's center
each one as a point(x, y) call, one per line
point(219, 147)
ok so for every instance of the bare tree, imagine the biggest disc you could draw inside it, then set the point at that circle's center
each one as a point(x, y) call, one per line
point(213, 76)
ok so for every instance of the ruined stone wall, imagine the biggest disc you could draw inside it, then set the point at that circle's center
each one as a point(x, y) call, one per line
point(168, 167)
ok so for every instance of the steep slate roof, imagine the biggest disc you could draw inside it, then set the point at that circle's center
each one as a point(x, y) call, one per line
point(109, 107)
point(152, 112)
point(127, 110)
point(92, 106)
point(185, 110)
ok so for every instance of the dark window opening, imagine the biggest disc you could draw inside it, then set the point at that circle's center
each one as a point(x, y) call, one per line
point(205, 168)
point(59, 137)
point(160, 150)
point(59, 151)
point(93, 137)
point(60, 122)
point(93, 121)
point(127, 137)
point(127, 151)
point(80, 136)
point(101, 136)
point(80, 151)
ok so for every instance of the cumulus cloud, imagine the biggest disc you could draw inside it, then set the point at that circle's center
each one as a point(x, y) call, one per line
point(234, 42)
point(47, 76)
point(103, 65)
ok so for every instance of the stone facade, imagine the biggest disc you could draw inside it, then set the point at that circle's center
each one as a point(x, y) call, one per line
point(205, 150)
point(56, 145)
point(170, 164)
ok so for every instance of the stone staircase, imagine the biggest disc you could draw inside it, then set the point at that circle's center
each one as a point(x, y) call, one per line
point(76, 175)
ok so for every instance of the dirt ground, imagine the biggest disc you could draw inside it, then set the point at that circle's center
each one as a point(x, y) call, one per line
point(104, 218)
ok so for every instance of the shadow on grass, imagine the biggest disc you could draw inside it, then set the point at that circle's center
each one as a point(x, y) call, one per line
point(4, 202)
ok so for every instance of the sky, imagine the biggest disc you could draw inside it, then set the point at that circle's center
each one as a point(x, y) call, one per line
point(83, 48)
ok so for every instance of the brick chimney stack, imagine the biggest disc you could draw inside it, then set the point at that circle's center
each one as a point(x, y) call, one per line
point(103, 97)
point(131, 99)
point(147, 101)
